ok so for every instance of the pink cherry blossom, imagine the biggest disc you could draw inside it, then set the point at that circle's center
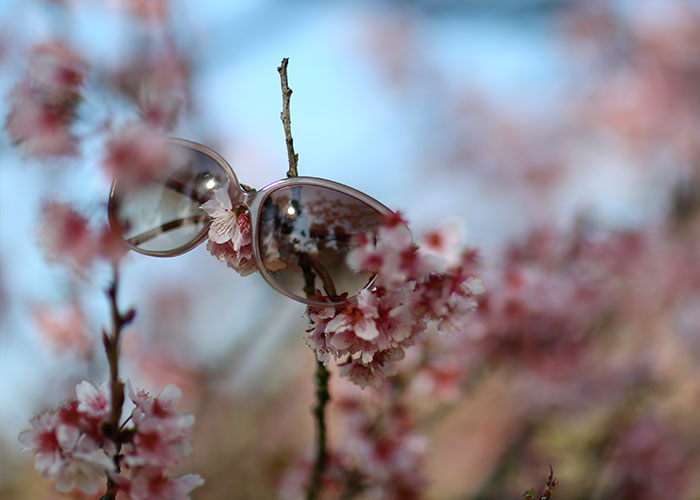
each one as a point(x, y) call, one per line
point(162, 430)
point(93, 402)
point(159, 442)
point(230, 237)
point(84, 467)
point(359, 318)
point(64, 453)
point(43, 441)
point(390, 253)
point(372, 373)
point(223, 226)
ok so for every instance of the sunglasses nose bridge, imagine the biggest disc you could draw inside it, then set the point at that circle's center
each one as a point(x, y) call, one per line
point(238, 195)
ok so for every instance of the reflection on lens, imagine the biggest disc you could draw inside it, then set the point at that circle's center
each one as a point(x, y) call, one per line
point(305, 234)
point(162, 215)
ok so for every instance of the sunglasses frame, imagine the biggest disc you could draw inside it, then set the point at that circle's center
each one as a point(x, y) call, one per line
point(252, 201)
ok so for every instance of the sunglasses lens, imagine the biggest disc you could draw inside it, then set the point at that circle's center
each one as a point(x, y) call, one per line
point(162, 214)
point(305, 235)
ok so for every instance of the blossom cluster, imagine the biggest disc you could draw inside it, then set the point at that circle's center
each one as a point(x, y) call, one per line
point(417, 290)
point(390, 451)
point(78, 446)
point(44, 103)
point(381, 457)
point(547, 299)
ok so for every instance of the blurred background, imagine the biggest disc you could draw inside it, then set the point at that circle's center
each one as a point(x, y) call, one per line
point(563, 136)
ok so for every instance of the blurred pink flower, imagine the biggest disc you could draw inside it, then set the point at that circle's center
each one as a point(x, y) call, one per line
point(56, 69)
point(163, 91)
point(137, 152)
point(152, 484)
point(64, 328)
point(162, 431)
point(43, 106)
point(65, 454)
point(387, 451)
point(42, 129)
point(84, 468)
point(441, 378)
point(45, 442)
point(157, 80)
point(65, 235)
point(444, 243)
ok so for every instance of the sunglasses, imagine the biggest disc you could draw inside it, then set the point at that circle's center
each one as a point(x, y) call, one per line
point(302, 228)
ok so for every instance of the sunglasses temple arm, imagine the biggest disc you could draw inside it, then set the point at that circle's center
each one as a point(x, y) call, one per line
point(184, 189)
point(168, 226)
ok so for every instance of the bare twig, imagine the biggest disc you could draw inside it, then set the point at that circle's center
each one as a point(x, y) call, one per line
point(286, 121)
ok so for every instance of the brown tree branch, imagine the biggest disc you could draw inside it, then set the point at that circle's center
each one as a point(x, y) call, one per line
point(322, 374)
point(111, 345)
point(323, 396)
point(286, 120)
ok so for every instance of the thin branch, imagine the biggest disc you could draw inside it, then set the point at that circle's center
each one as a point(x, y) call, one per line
point(286, 120)
point(322, 398)
point(322, 374)
point(111, 345)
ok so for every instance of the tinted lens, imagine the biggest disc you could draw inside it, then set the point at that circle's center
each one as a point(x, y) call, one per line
point(305, 234)
point(162, 214)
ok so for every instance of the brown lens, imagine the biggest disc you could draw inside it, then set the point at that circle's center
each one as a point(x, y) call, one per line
point(162, 215)
point(305, 234)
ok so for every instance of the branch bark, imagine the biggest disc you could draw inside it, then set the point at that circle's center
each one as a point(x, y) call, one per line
point(286, 120)
point(111, 345)
point(323, 396)
point(322, 374)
